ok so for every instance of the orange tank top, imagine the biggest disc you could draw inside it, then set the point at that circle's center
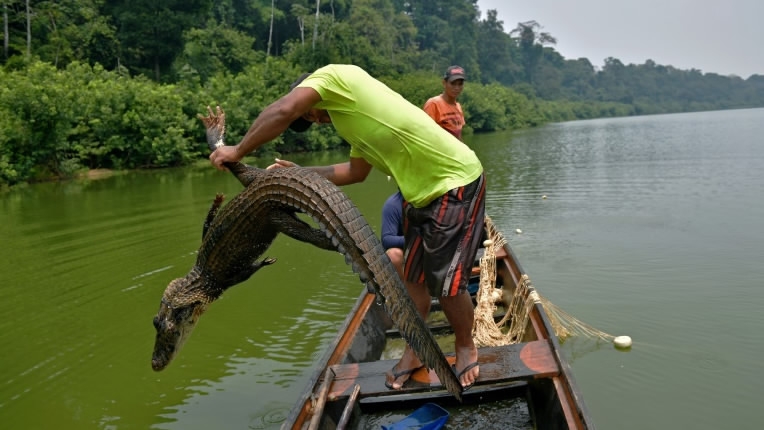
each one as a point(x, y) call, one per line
point(446, 115)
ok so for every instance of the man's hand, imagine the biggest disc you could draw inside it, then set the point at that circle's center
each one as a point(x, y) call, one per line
point(224, 154)
point(281, 163)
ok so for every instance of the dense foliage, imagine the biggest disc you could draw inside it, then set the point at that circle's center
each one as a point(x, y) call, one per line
point(117, 84)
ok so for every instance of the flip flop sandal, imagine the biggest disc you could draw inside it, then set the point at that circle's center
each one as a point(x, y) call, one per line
point(465, 370)
point(397, 375)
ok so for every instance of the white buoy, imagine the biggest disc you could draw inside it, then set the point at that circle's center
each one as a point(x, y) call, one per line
point(622, 342)
point(518, 231)
point(544, 196)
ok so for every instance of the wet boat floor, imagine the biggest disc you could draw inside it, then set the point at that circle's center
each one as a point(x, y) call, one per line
point(509, 414)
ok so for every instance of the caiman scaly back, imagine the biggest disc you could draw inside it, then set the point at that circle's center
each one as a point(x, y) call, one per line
point(237, 234)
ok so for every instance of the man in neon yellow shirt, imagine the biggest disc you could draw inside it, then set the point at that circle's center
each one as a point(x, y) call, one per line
point(441, 180)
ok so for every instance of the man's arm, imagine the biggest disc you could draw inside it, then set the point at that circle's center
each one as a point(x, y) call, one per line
point(350, 172)
point(392, 219)
point(271, 122)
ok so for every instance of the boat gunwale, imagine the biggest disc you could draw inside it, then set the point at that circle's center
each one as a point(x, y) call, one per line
point(568, 398)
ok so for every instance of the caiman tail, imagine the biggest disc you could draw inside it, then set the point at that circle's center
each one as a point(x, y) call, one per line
point(339, 218)
point(306, 191)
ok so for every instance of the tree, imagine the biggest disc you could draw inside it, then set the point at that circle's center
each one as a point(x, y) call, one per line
point(531, 42)
point(446, 31)
point(548, 75)
point(300, 12)
point(578, 79)
point(5, 30)
point(612, 83)
point(216, 49)
point(315, 24)
point(494, 51)
point(29, 31)
point(74, 30)
point(151, 31)
point(270, 30)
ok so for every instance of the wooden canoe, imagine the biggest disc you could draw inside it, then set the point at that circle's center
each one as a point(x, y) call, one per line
point(347, 389)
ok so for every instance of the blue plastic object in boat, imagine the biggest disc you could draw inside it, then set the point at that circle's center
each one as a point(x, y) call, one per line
point(428, 417)
point(473, 286)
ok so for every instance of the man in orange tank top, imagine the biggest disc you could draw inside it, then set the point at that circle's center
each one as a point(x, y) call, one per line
point(444, 108)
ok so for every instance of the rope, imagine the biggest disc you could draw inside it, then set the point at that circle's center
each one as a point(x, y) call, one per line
point(487, 332)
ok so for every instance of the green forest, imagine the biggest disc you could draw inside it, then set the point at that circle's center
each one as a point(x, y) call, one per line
point(117, 84)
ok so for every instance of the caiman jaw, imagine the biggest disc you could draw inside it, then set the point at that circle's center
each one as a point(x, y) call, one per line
point(174, 324)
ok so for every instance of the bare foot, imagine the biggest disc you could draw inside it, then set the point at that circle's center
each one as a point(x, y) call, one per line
point(394, 379)
point(401, 372)
point(467, 373)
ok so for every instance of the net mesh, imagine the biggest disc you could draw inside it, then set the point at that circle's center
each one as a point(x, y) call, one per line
point(487, 331)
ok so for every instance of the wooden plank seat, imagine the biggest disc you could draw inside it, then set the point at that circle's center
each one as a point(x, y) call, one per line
point(477, 395)
point(498, 365)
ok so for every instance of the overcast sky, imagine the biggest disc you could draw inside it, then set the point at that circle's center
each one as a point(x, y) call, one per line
point(717, 36)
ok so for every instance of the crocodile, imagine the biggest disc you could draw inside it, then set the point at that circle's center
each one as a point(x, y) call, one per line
point(234, 236)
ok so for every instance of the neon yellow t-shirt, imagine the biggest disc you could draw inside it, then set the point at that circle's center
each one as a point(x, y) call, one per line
point(392, 134)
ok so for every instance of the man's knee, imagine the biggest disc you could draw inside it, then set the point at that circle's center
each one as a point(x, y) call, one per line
point(395, 254)
point(396, 257)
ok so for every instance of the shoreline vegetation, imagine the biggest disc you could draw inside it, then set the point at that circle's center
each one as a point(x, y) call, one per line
point(64, 114)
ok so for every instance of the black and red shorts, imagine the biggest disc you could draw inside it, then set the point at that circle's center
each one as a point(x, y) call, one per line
point(442, 239)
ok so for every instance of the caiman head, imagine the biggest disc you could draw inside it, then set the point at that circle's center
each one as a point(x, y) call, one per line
point(183, 303)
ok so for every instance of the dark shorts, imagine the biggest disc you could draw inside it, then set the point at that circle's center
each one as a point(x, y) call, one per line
point(442, 239)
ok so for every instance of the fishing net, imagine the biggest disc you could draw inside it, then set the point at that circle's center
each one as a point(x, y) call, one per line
point(487, 331)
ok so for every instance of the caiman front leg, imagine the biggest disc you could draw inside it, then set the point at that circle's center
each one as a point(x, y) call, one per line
point(212, 212)
point(247, 272)
point(288, 223)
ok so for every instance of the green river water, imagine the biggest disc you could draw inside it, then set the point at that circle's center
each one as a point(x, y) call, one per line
point(652, 227)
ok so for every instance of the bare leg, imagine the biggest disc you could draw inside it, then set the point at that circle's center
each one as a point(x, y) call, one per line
point(460, 314)
point(409, 360)
point(396, 256)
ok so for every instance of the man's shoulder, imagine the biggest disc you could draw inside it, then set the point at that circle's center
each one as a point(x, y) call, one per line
point(433, 103)
point(336, 68)
point(331, 74)
point(350, 73)
point(394, 199)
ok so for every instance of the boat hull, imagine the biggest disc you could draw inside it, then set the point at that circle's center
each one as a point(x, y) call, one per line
point(349, 380)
